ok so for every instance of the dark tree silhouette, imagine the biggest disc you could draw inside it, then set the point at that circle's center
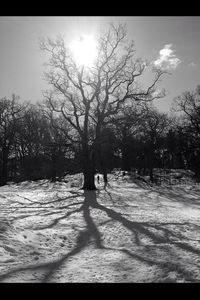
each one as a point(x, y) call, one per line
point(10, 114)
point(153, 126)
point(126, 126)
point(87, 97)
point(189, 104)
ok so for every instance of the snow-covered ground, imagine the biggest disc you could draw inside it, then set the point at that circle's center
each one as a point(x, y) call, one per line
point(126, 232)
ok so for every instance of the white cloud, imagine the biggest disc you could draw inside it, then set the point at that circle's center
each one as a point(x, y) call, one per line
point(167, 59)
point(157, 92)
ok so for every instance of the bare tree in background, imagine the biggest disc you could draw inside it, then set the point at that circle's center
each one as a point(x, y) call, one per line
point(88, 97)
point(189, 104)
point(127, 124)
point(153, 126)
point(10, 114)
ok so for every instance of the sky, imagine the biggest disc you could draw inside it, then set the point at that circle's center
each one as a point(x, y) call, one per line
point(172, 43)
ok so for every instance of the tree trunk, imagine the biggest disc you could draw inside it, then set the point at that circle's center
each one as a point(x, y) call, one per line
point(151, 174)
point(151, 161)
point(4, 172)
point(103, 163)
point(105, 177)
point(125, 155)
point(89, 178)
point(53, 166)
point(125, 161)
point(88, 170)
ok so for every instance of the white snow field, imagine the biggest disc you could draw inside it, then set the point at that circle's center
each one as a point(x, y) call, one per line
point(127, 232)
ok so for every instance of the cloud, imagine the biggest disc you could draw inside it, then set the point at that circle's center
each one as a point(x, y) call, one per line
point(157, 92)
point(167, 59)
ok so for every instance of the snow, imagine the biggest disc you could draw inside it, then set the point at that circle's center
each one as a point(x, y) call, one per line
point(128, 231)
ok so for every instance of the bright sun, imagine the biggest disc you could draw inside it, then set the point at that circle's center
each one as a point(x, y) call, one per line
point(84, 50)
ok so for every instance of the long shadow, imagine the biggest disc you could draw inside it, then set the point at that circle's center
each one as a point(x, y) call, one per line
point(58, 199)
point(187, 247)
point(91, 233)
point(52, 266)
point(56, 220)
point(89, 199)
point(164, 265)
point(71, 196)
point(142, 227)
point(135, 227)
point(179, 196)
point(84, 237)
point(105, 188)
point(131, 225)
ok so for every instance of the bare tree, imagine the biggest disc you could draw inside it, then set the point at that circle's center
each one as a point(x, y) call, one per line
point(10, 114)
point(126, 125)
point(153, 126)
point(189, 104)
point(88, 97)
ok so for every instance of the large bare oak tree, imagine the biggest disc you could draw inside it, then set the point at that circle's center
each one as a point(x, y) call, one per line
point(88, 97)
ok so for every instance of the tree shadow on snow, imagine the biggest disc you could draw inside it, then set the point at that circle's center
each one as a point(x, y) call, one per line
point(157, 233)
point(187, 198)
point(90, 231)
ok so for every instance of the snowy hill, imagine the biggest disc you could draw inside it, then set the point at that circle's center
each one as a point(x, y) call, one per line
point(129, 231)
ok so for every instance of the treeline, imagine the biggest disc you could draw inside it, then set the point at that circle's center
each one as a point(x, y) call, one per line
point(37, 144)
point(32, 147)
